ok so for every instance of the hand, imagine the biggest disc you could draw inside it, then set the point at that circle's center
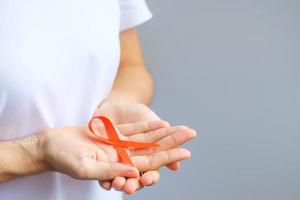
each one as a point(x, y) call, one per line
point(121, 112)
point(127, 112)
point(73, 151)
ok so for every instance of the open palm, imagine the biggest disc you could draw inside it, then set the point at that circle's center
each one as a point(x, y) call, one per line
point(121, 112)
point(74, 150)
point(150, 132)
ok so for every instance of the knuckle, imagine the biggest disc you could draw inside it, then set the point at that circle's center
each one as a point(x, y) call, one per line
point(150, 162)
point(82, 171)
point(107, 173)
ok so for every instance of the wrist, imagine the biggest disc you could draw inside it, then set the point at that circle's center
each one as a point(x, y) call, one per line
point(117, 97)
point(20, 158)
point(32, 149)
point(38, 153)
point(114, 100)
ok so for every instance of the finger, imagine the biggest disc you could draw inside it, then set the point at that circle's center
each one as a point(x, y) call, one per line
point(180, 136)
point(152, 136)
point(171, 137)
point(150, 178)
point(132, 185)
point(106, 185)
point(119, 183)
point(174, 166)
point(92, 169)
point(141, 127)
point(157, 160)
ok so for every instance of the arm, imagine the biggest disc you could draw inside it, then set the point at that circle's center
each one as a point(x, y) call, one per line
point(131, 92)
point(133, 81)
point(20, 158)
point(68, 150)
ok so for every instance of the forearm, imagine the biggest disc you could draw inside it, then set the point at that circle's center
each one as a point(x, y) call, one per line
point(133, 83)
point(20, 158)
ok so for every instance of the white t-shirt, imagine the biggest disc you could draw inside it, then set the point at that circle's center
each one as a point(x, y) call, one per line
point(58, 60)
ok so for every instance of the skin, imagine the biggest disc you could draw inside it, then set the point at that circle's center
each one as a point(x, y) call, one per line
point(75, 152)
point(127, 103)
point(130, 112)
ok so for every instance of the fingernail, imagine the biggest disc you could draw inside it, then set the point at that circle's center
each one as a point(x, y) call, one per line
point(147, 182)
point(194, 133)
point(165, 123)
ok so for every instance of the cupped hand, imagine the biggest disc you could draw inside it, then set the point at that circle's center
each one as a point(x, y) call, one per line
point(76, 152)
point(127, 112)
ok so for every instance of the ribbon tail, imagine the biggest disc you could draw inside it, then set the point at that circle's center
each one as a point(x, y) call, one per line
point(123, 155)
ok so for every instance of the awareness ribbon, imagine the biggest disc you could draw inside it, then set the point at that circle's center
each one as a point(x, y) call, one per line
point(114, 140)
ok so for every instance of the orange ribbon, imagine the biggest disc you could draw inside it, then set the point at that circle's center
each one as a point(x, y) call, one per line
point(114, 140)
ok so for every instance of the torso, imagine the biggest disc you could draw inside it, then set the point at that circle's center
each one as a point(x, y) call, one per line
point(58, 60)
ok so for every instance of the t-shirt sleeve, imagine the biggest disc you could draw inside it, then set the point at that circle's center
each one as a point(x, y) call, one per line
point(133, 13)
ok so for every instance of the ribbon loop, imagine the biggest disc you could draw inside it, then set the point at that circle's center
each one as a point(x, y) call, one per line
point(114, 140)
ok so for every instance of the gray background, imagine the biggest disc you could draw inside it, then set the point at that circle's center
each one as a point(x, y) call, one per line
point(230, 69)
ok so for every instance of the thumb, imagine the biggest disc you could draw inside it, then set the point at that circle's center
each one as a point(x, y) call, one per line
point(108, 171)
